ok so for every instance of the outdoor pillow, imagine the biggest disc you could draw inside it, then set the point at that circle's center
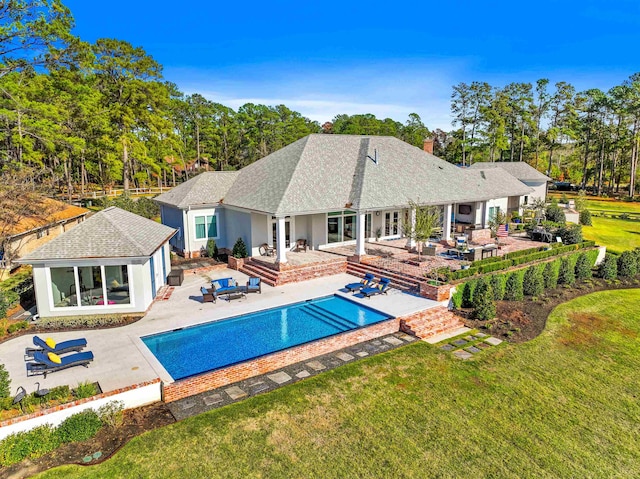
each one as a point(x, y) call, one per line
point(50, 342)
point(54, 358)
point(381, 287)
point(114, 284)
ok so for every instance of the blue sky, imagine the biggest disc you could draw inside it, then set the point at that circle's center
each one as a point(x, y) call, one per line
point(387, 58)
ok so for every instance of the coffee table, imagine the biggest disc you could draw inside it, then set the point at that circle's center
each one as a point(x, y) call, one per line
point(236, 293)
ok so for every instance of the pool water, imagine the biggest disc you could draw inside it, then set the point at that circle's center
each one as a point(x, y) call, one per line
point(206, 347)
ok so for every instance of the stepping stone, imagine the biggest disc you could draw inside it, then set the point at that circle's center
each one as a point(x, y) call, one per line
point(97, 455)
point(483, 345)
point(213, 399)
point(258, 387)
point(406, 337)
point(447, 347)
point(303, 374)
point(481, 335)
point(493, 341)
point(470, 338)
point(344, 357)
point(317, 365)
point(393, 341)
point(459, 342)
point(235, 392)
point(460, 354)
point(362, 354)
point(187, 405)
point(472, 349)
point(376, 342)
point(279, 378)
point(87, 458)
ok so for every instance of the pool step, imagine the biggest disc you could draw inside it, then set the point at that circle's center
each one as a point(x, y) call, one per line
point(331, 321)
point(347, 322)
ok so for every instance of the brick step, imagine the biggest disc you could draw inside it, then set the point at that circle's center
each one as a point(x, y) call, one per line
point(434, 321)
point(385, 272)
point(269, 277)
point(397, 281)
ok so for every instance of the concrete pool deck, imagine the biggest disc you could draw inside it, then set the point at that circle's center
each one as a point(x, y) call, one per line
point(121, 359)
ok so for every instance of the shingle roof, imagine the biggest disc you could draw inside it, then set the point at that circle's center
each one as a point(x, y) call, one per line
point(324, 172)
point(521, 170)
point(205, 189)
point(111, 233)
point(14, 222)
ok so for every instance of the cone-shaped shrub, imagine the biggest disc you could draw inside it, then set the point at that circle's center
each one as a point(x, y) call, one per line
point(627, 267)
point(583, 267)
point(483, 303)
point(497, 285)
point(513, 289)
point(467, 294)
point(239, 249)
point(566, 275)
point(533, 283)
point(550, 274)
point(608, 269)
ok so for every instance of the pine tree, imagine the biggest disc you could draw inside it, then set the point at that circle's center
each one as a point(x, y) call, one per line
point(608, 269)
point(566, 274)
point(550, 274)
point(483, 303)
point(583, 267)
point(239, 249)
point(513, 289)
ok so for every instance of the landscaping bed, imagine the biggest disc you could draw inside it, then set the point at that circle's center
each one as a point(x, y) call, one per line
point(107, 441)
point(520, 321)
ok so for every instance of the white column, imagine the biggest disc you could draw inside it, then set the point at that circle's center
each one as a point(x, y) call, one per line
point(411, 243)
point(485, 214)
point(281, 240)
point(360, 221)
point(446, 222)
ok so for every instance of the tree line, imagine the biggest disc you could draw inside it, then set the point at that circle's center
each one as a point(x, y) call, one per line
point(74, 114)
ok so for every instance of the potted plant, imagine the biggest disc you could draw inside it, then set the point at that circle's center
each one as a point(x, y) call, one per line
point(378, 233)
point(465, 264)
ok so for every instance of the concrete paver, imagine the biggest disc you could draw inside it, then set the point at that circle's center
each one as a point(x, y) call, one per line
point(493, 341)
point(235, 392)
point(461, 354)
point(280, 377)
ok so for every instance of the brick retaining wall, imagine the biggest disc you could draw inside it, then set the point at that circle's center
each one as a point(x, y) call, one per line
point(295, 275)
point(271, 362)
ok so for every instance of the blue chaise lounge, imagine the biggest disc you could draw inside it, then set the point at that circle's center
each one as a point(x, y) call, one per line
point(44, 363)
point(50, 346)
point(365, 282)
point(381, 288)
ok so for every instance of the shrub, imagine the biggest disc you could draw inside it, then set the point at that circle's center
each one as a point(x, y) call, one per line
point(563, 199)
point(533, 283)
point(5, 303)
point(212, 248)
point(239, 249)
point(627, 266)
point(79, 427)
point(566, 275)
point(608, 269)
point(513, 288)
point(28, 444)
point(5, 382)
point(585, 217)
point(555, 214)
point(467, 294)
point(85, 390)
point(583, 267)
point(111, 414)
point(456, 298)
point(17, 326)
point(570, 234)
point(550, 274)
point(483, 303)
point(498, 285)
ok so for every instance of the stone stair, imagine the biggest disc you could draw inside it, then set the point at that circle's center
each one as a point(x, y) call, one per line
point(433, 321)
point(399, 281)
point(267, 275)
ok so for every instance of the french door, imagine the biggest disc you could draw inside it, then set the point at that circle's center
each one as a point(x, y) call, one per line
point(391, 223)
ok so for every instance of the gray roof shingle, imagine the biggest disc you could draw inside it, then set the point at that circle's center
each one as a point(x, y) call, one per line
point(110, 233)
point(205, 189)
point(521, 170)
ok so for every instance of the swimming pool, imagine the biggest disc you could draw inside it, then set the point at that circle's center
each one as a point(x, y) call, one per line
point(193, 350)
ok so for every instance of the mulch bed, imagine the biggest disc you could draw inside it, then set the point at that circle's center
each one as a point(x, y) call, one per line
point(107, 441)
point(520, 321)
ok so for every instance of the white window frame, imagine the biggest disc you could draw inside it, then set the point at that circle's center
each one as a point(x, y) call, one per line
point(195, 229)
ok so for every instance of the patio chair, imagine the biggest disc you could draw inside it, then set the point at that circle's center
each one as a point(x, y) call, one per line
point(48, 363)
point(382, 288)
point(50, 346)
point(365, 282)
point(266, 250)
point(301, 244)
point(254, 285)
point(208, 295)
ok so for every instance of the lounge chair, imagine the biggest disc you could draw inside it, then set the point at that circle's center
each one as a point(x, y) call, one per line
point(43, 365)
point(254, 285)
point(58, 348)
point(266, 250)
point(365, 282)
point(208, 295)
point(381, 288)
point(301, 244)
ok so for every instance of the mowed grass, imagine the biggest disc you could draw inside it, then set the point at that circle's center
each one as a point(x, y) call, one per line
point(566, 404)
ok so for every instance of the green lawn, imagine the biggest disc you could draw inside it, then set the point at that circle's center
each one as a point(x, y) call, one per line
point(566, 404)
point(616, 234)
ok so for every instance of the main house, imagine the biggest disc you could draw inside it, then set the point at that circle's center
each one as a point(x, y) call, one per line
point(333, 190)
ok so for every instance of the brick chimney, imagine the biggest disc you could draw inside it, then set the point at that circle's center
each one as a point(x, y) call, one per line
point(428, 145)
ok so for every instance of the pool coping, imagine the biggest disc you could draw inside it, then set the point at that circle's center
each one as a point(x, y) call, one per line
point(257, 385)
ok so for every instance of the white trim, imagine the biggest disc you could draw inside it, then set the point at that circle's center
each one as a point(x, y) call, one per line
point(206, 238)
